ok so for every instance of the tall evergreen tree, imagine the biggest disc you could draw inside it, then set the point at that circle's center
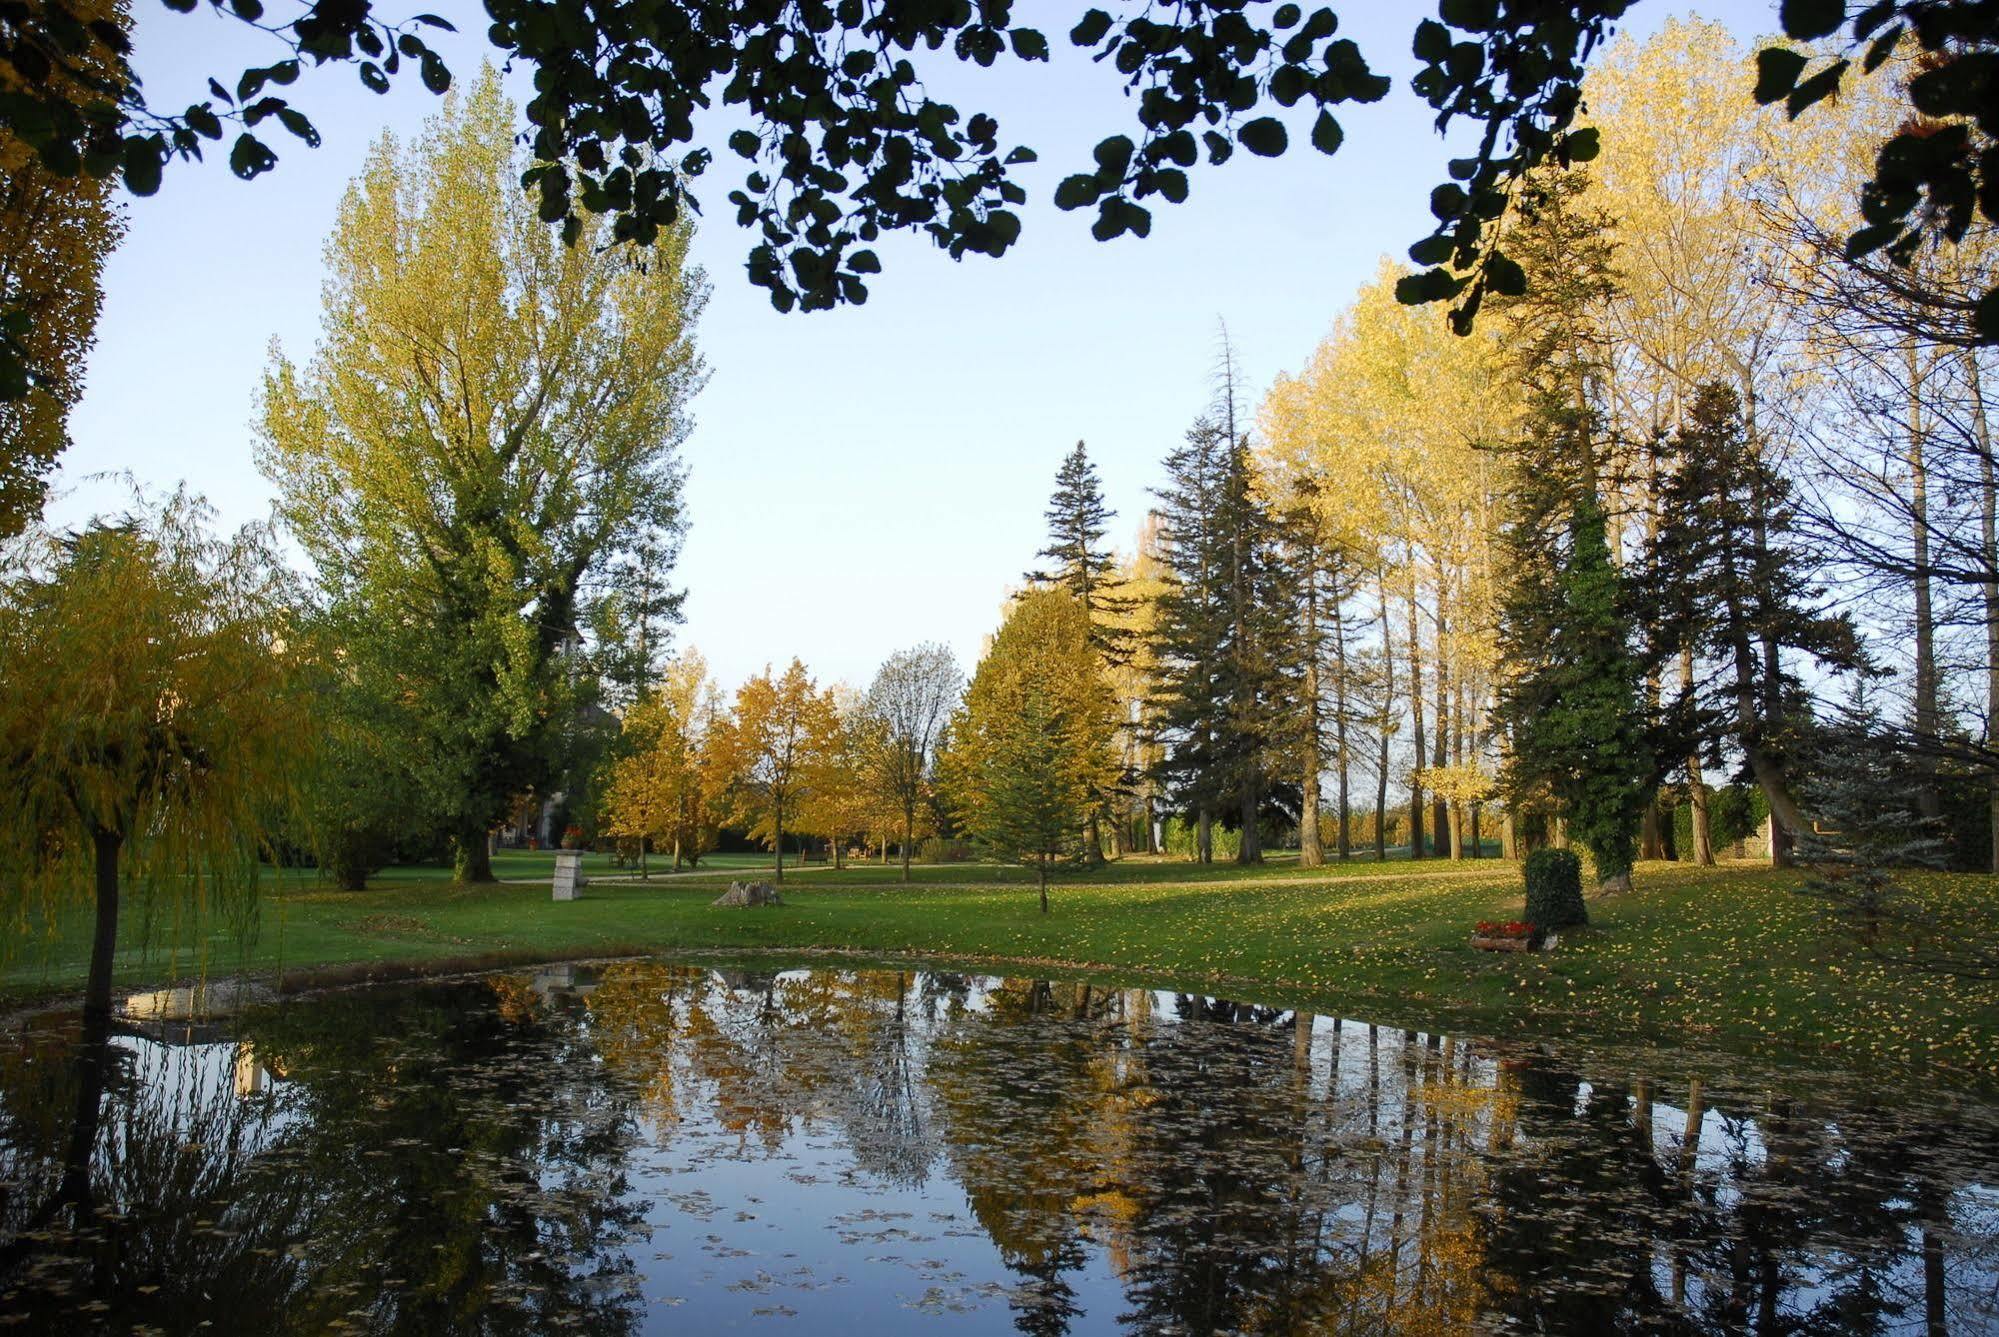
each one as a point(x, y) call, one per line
point(1078, 519)
point(1229, 666)
point(1737, 592)
point(1572, 707)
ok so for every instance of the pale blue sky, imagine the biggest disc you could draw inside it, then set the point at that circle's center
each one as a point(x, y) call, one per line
point(863, 479)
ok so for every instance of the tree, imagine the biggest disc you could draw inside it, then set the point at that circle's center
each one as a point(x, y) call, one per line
point(841, 799)
point(1077, 521)
point(56, 230)
point(766, 750)
point(910, 701)
point(491, 422)
point(149, 733)
point(1227, 668)
point(1740, 595)
point(1032, 750)
point(1571, 704)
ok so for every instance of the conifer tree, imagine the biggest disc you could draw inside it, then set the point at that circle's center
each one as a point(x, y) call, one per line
point(1572, 707)
point(1228, 663)
point(1078, 519)
point(1737, 593)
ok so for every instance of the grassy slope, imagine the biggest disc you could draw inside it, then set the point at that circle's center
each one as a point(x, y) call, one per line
point(1730, 957)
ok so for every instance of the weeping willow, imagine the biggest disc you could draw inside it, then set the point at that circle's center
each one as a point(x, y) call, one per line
point(149, 735)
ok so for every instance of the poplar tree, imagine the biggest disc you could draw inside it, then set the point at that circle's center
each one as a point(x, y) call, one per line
point(491, 422)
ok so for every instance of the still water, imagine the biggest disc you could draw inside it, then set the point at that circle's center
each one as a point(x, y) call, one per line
point(652, 1147)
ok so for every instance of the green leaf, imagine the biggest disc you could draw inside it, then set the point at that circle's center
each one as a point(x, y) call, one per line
point(1582, 145)
point(1287, 16)
point(1264, 136)
point(864, 262)
point(1326, 133)
point(249, 157)
point(1820, 85)
point(1076, 192)
point(1505, 275)
point(142, 166)
point(1432, 250)
point(1809, 20)
point(1095, 23)
point(1777, 71)
point(1988, 316)
point(745, 143)
point(1029, 44)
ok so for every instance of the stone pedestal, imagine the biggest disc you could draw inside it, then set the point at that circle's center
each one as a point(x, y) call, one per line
point(569, 879)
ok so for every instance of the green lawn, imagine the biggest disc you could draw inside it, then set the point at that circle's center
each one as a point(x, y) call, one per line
point(1731, 958)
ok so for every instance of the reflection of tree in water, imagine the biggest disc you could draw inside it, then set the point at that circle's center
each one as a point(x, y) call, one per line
point(176, 1212)
point(453, 1157)
point(426, 1166)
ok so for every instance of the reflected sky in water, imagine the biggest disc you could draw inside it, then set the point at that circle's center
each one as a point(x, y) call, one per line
point(650, 1147)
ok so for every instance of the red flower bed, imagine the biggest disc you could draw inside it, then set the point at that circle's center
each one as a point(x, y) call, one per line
point(1516, 928)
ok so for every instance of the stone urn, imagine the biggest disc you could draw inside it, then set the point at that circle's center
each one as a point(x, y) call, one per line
point(569, 879)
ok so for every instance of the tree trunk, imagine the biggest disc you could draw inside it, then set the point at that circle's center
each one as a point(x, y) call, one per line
point(1416, 720)
point(777, 838)
point(1927, 714)
point(908, 835)
point(1440, 757)
point(1204, 836)
point(104, 941)
point(1340, 732)
point(1250, 848)
point(1310, 853)
point(1697, 795)
point(1509, 837)
point(1988, 516)
point(1382, 723)
point(1041, 868)
point(470, 862)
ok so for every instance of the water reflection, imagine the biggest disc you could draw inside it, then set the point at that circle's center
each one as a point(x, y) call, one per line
point(653, 1147)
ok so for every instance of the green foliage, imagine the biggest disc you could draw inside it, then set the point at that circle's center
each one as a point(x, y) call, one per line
point(150, 729)
point(1571, 703)
point(1867, 833)
point(1077, 519)
point(469, 457)
point(1554, 889)
point(1180, 839)
point(1228, 657)
point(1031, 752)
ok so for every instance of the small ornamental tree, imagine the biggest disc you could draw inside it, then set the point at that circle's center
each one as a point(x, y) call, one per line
point(1554, 889)
point(149, 730)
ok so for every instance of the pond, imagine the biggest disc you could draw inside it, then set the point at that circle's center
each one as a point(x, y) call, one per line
point(646, 1146)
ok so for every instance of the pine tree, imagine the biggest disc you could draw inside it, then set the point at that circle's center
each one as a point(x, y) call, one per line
point(1229, 665)
point(1078, 519)
point(1867, 829)
point(1735, 592)
point(1572, 707)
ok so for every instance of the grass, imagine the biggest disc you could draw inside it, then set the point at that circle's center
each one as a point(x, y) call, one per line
point(1730, 958)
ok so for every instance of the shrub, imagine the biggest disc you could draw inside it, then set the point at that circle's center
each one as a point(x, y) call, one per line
point(936, 849)
point(1555, 889)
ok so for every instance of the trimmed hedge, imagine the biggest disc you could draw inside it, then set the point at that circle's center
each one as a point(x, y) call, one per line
point(1555, 889)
